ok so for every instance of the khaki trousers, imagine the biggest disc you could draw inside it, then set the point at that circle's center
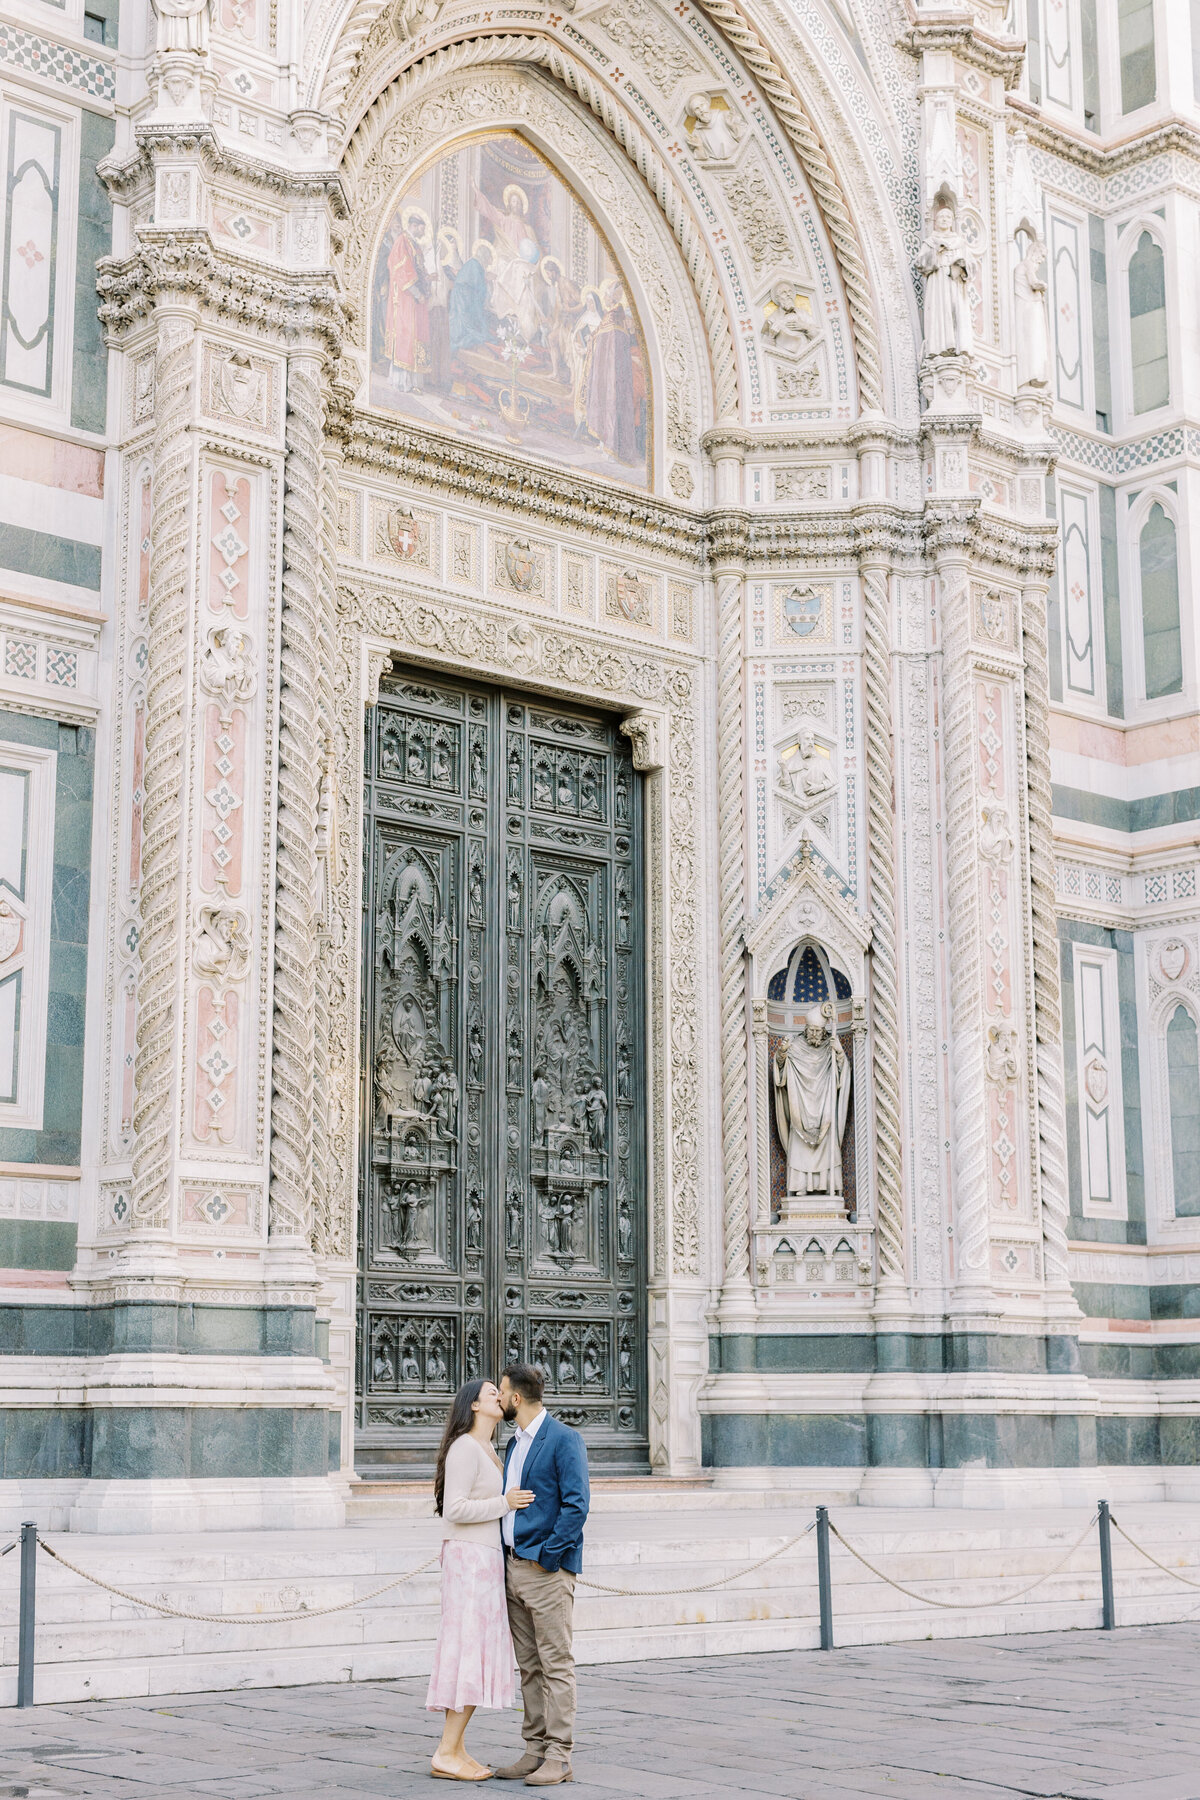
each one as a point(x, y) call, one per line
point(541, 1606)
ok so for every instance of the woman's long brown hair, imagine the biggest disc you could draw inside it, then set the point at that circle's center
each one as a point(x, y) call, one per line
point(458, 1424)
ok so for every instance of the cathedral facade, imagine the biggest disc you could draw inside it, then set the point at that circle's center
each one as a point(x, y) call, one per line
point(599, 744)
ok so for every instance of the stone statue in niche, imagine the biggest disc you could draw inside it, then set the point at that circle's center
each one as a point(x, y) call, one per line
point(947, 265)
point(1031, 325)
point(807, 773)
point(182, 25)
point(811, 1078)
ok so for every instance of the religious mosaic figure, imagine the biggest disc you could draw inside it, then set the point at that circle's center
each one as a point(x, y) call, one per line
point(811, 1077)
point(530, 339)
point(947, 266)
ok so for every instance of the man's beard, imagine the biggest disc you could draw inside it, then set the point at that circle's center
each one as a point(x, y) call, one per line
point(509, 1411)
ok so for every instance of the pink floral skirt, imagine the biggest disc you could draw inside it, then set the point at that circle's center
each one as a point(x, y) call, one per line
point(473, 1661)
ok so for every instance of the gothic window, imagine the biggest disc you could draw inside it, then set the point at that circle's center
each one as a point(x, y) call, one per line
point(1158, 553)
point(1148, 326)
point(1135, 38)
point(1183, 1090)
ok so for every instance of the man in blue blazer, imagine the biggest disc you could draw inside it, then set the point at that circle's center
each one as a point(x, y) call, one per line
point(543, 1553)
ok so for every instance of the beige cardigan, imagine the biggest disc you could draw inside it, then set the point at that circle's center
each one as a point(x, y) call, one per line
point(473, 1501)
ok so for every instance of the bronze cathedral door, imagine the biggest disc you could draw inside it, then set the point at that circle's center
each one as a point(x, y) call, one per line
point(503, 1131)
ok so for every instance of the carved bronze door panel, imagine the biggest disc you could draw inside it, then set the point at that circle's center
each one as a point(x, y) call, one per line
point(503, 1131)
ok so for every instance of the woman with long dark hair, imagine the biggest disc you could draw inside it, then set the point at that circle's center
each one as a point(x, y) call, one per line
point(473, 1662)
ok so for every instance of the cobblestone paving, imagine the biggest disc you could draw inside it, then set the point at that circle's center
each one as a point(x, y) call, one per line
point(1065, 1716)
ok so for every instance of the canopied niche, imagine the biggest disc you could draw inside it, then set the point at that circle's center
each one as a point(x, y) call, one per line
point(807, 973)
point(809, 1004)
point(499, 309)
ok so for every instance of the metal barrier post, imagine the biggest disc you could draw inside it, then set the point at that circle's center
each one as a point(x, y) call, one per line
point(25, 1627)
point(824, 1585)
point(1106, 1579)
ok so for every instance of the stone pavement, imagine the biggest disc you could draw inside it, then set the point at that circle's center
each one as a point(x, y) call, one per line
point(1064, 1716)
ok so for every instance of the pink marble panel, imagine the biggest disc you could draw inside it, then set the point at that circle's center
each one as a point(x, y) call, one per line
point(224, 788)
point(216, 1066)
point(229, 544)
point(136, 795)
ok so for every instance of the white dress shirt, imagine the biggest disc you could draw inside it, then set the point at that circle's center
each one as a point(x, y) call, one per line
point(516, 1468)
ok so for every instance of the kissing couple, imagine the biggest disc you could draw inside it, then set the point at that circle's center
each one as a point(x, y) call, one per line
point(512, 1547)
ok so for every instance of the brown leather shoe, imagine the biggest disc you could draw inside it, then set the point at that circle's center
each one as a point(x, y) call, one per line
point(519, 1770)
point(550, 1775)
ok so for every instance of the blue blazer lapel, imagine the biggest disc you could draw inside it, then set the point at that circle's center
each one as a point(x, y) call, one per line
point(536, 1449)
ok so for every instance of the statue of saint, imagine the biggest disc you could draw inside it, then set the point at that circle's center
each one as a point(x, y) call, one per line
point(947, 266)
point(182, 24)
point(1031, 325)
point(811, 1077)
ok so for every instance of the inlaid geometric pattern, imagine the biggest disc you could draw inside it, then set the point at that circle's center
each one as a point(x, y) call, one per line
point(57, 63)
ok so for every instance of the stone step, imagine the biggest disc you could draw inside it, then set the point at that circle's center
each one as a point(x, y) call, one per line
point(381, 1499)
point(93, 1644)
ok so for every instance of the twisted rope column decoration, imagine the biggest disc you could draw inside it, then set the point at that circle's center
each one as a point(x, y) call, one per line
point(538, 52)
point(343, 64)
point(968, 1097)
point(825, 185)
point(1047, 999)
point(323, 1184)
point(164, 782)
point(885, 1001)
point(732, 904)
point(294, 1033)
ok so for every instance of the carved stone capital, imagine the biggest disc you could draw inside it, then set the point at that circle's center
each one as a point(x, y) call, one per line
point(647, 732)
point(184, 267)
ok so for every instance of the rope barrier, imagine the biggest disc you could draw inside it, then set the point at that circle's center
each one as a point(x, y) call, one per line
point(260, 1618)
point(1142, 1551)
point(696, 1587)
point(964, 1605)
point(280, 1618)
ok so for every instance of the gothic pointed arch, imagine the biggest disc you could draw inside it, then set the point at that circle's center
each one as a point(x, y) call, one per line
point(357, 58)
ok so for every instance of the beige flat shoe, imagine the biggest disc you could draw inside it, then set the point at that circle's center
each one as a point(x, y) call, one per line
point(451, 1775)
